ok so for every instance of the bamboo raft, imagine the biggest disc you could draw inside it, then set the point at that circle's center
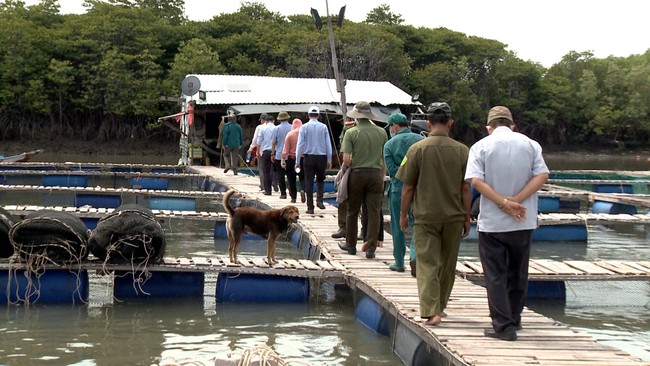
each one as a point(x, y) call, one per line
point(459, 338)
point(99, 173)
point(100, 166)
point(544, 219)
point(286, 267)
point(113, 191)
point(550, 270)
point(552, 190)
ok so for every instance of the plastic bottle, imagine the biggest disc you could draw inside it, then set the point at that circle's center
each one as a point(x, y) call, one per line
point(248, 158)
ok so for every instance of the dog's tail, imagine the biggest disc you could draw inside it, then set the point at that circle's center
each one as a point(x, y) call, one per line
point(226, 202)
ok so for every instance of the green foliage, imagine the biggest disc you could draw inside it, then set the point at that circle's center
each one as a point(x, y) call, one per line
point(99, 75)
point(382, 15)
point(193, 57)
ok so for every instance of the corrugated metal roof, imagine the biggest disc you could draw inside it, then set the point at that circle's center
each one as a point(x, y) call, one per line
point(242, 89)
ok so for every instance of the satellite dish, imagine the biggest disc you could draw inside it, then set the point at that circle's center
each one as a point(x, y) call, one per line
point(190, 85)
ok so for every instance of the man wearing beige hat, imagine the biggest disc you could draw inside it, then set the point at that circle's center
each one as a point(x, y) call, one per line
point(362, 149)
point(279, 134)
point(508, 169)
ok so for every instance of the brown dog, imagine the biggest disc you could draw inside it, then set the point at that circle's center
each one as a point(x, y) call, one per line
point(268, 224)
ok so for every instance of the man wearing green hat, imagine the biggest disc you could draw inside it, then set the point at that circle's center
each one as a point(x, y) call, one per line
point(394, 151)
point(433, 174)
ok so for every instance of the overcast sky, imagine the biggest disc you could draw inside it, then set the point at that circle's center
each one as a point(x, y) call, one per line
point(540, 31)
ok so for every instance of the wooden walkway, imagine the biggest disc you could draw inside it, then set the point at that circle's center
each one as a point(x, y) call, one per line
point(553, 190)
point(96, 213)
point(99, 173)
point(100, 166)
point(92, 212)
point(285, 267)
point(459, 338)
point(112, 191)
point(550, 270)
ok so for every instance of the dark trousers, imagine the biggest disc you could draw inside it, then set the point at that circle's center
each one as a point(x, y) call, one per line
point(504, 257)
point(265, 167)
point(364, 220)
point(291, 177)
point(280, 174)
point(342, 214)
point(364, 185)
point(314, 166)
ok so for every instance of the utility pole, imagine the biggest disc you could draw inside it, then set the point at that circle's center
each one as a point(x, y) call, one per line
point(340, 83)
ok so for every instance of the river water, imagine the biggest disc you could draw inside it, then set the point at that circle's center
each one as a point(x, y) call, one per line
point(321, 332)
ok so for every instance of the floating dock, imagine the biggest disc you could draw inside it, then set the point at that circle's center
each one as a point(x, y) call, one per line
point(389, 304)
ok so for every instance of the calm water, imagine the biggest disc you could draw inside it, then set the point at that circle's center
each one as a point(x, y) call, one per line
point(322, 332)
point(106, 332)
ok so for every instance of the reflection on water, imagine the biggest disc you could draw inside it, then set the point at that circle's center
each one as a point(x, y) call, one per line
point(145, 334)
point(104, 332)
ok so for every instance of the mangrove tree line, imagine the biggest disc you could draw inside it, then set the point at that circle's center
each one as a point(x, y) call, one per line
point(100, 75)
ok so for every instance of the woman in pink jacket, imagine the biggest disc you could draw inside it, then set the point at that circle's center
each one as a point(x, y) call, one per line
point(289, 161)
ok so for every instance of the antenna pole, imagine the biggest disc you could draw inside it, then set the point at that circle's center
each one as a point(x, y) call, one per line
point(340, 84)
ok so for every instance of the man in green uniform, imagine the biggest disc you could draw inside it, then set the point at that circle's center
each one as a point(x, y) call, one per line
point(433, 173)
point(362, 150)
point(394, 151)
point(232, 140)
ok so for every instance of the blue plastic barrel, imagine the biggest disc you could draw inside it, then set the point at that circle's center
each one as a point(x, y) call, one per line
point(161, 284)
point(613, 208)
point(612, 188)
point(91, 223)
point(577, 232)
point(149, 183)
point(65, 181)
point(126, 169)
point(97, 200)
point(172, 203)
point(547, 290)
point(166, 170)
point(371, 314)
point(548, 204)
point(53, 286)
point(256, 288)
point(296, 237)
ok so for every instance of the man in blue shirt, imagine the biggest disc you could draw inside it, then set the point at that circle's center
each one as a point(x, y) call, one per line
point(265, 142)
point(279, 133)
point(314, 145)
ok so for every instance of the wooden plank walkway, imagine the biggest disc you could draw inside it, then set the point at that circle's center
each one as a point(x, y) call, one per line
point(553, 190)
point(92, 212)
point(96, 213)
point(99, 173)
point(459, 338)
point(112, 191)
point(285, 267)
point(550, 270)
point(101, 166)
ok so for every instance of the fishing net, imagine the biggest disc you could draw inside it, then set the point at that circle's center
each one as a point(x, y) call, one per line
point(6, 222)
point(130, 234)
point(49, 236)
